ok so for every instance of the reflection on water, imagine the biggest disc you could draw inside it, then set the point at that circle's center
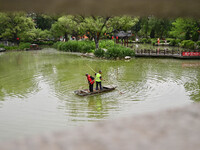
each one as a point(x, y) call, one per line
point(36, 89)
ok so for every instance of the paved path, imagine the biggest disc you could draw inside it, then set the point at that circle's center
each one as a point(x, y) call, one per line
point(177, 129)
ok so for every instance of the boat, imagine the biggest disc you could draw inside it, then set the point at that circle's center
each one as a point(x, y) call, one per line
point(85, 92)
point(33, 47)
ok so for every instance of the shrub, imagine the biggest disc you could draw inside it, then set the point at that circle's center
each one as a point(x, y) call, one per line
point(23, 46)
point(169, 40)
point(75, 46)
point(153, 41)
point(188, 44)
point(118, 51)
point(44, 42)
point(145, 40)
point(198, 45)
point(11, 47)
point(106, 43)
point(172, 42)
point(99, 53)
point(2, 46)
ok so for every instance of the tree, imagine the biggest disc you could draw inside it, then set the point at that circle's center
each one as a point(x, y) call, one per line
point(95, 26)
point(3, 22)
point(36, 35)
point(154, 27)
point(185, 28)
point(122, 23)
point(44, 22)
point(66, 25)
point(16, 24)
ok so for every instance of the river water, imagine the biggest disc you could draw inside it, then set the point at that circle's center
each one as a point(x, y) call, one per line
point(37, 90)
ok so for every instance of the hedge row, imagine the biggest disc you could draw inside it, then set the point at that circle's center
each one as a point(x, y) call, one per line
point(22, 46)
point(114, 52)
point(75, 46)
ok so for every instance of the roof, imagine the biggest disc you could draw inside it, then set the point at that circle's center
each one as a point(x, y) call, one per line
point(122, 34)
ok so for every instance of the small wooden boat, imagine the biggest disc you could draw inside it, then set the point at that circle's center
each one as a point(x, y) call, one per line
point(86, 92)
point(33, 47)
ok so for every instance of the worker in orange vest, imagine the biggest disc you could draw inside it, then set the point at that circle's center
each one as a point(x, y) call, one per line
point(158, 40)
point(90, 81)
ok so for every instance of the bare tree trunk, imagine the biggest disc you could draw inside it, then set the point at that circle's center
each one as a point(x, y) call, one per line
point(66, 37)
point(96, 40)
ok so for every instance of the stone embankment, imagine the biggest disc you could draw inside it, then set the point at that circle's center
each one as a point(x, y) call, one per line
point(175, 129)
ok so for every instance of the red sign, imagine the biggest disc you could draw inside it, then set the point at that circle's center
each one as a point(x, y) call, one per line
point(191, 54)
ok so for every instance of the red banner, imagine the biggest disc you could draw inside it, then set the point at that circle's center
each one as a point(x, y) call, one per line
point(191, 54)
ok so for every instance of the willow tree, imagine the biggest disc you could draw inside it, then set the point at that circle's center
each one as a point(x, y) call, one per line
point(95, 26)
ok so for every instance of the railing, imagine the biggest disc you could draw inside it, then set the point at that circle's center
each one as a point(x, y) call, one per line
point(168, 52)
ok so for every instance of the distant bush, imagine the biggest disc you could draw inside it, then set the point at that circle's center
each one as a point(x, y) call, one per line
point(114, 51)
point(99, 53)
point(75, 46)
point(118, 52)
point(2, 46)
point(23, 46)
point(153, 41)
point(169, 40)
point(11, 47)
point(106, 43)
point(188, 44)
point(174, 42)
point(198, 45)
point(44, 42)
point(145, 40)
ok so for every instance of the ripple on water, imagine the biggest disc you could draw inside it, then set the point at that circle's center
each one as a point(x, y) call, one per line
point(38, 90)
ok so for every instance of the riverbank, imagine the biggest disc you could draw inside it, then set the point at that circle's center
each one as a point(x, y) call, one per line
point(174, 129)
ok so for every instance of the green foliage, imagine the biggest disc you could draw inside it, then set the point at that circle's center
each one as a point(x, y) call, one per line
point(14, 25)
point(185, 28)
point(99, 53)
point(153, 27)
point(23, 46)
point(44, 42)
point(106, 44)
point(67, 25)
point(188, 44)
point(75, 46)
point(43, 21)
point(118, 51)
point(122, 23)
point(174, 42)
point(2, 46)
point(198, 45)
point(145, 40)
point(153, 41)
point(11, 47)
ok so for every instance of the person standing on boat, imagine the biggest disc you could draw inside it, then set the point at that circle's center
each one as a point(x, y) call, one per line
point(90, 81)
point(98, 80)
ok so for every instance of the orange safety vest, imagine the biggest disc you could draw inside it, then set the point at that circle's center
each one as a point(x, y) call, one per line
point(90, 80)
